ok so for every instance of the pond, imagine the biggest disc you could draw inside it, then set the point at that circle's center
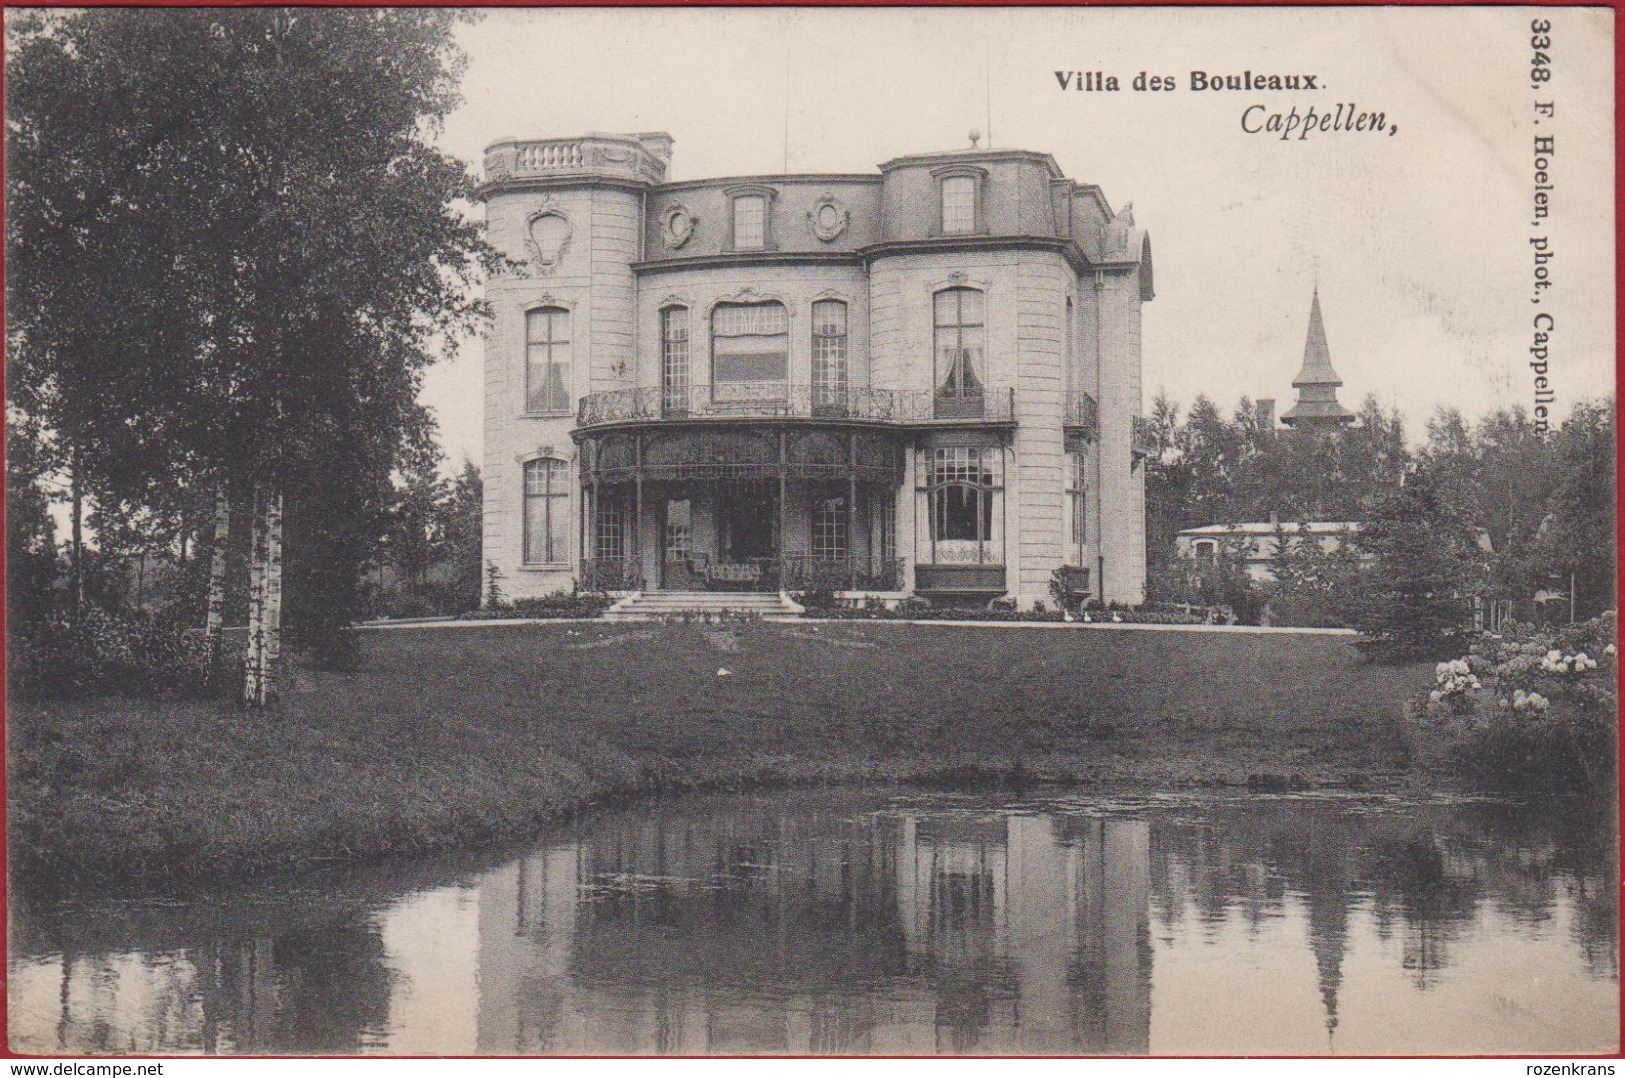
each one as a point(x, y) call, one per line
point(880, 922)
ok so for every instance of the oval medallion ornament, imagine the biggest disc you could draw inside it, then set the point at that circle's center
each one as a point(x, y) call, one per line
point(549, 236)
point(676, 226)
point(828, 217)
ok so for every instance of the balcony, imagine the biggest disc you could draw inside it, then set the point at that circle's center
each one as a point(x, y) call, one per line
point(1082, 414)
point(636, 157)
point(780, 400)
point(1142, 440)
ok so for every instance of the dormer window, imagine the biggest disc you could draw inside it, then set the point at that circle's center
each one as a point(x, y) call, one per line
point(749, 219)
point(959, 200)
point(958, 205)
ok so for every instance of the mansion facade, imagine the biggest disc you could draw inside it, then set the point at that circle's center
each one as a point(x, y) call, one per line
point(922, 381)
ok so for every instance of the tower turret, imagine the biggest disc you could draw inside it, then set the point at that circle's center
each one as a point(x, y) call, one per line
point(1317, 408)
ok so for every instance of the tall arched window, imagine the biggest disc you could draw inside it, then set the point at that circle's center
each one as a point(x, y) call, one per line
point(750, 351)
point(829, 369)
point(547, 512)
point(1069, 372)
point(547, 360)
point(1077, 496)
point(959, 317)
point(674, 359)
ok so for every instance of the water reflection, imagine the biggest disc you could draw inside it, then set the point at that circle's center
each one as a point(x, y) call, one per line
point(866, 923)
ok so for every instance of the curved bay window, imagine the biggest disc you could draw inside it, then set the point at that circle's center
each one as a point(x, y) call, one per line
point(547, 512)
point(962, 505)
point(750, 352)
point(829, 367)
point(674, 359)
point(959, 319)
point(547, 360)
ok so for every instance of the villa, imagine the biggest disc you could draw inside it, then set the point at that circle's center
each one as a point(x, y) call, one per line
point(921, 381)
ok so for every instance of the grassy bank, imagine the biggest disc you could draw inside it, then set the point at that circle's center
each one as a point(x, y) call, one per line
point(458, 735)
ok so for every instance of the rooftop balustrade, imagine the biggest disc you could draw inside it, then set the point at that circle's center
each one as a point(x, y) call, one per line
point(633, 157)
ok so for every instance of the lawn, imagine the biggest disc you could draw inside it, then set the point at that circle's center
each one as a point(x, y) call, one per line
point(452, 736)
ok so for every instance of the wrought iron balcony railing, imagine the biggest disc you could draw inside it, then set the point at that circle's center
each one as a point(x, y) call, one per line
point(780, 400)
point(1083, 413)
point(1142, 442)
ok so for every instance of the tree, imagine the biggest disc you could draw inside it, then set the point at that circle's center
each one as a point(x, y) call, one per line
point(461, 529)
point(1212, 449)
point(1313, 578)
point(232, 253)
point(1578, 538)
point(1499, 475)
point(1421, 568)
point(32, 565)
point(417, 514)
point(1328, 476)
point(1167, 483)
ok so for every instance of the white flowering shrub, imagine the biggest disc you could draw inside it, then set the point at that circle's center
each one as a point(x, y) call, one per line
point(1531, 706)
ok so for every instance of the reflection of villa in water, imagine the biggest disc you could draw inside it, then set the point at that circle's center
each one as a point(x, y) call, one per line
point(854, 923)
point(982, 934)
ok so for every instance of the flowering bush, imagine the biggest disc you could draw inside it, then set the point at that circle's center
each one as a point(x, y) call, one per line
point(1530, 705)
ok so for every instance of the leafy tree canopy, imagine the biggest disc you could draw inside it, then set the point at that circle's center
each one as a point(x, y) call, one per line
point(232, 251)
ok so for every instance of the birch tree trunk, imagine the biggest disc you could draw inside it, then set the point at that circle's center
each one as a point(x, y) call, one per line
point(77, 537)
point(254, 661)
point(215, 624)
point(273, 592)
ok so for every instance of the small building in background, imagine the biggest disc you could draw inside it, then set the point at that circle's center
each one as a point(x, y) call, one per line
point(1259, 544)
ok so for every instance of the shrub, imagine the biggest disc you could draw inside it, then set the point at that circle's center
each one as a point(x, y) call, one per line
point(338, 650)
point(1200, 582)
point(580, 604)
point(915, 609)
point(1530, 706)
point(820, 599)
point(406, 605)
point(103, 653)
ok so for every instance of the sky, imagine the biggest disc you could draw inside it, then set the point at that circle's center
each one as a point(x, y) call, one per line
point(1419, 240)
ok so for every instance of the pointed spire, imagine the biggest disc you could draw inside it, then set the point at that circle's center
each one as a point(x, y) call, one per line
point(1317, 354)
point(1317, 407)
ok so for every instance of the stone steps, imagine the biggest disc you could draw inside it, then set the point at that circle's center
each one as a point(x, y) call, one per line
point(659, 605)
